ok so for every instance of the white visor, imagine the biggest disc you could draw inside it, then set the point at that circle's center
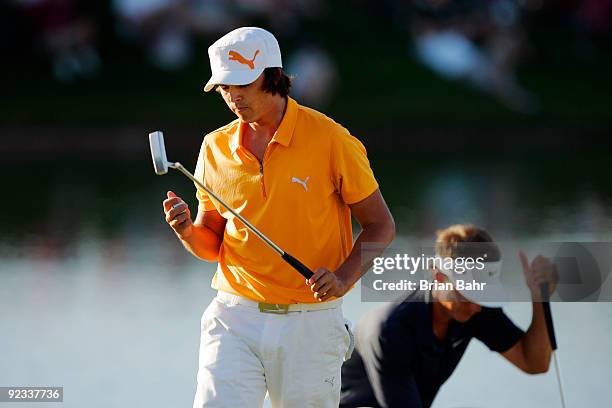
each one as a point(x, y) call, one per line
point(480, 285)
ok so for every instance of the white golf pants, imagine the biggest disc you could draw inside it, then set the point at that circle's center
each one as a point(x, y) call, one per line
point(295, 357)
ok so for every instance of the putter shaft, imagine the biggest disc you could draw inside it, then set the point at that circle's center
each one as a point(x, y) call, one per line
point(295, 263)
point(178, 166)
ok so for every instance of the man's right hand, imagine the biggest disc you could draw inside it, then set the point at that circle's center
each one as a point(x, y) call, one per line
point(178, 215)
point(541, 271)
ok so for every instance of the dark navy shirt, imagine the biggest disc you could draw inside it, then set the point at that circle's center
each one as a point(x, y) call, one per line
point(399, 362)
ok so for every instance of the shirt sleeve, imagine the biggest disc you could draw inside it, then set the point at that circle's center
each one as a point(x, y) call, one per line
point(351, 171)
point(495, 329)
point(204, 201)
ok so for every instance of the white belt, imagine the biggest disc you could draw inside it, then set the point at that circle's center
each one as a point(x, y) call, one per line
point(276, 308)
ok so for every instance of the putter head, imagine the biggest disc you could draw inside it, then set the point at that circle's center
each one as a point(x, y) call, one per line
point(158, 152)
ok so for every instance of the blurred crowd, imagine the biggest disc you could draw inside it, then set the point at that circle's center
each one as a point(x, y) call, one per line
point(482, 42)
point(67, 33)
point(477, 42)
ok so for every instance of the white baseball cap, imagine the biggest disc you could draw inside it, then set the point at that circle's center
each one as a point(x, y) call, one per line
point(491, 292)
point(240, 56)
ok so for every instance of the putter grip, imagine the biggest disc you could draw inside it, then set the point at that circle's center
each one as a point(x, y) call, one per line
point(550, 328)
point(297, 265)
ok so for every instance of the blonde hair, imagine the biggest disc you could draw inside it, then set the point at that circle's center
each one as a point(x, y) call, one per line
point(457, 241)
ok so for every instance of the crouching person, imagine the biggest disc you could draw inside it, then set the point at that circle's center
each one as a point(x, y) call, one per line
point(406, 351)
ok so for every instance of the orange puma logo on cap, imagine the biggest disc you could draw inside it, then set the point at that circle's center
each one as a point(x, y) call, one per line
point(235, 56)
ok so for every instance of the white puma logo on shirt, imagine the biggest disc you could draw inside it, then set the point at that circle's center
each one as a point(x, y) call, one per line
point(303, 183)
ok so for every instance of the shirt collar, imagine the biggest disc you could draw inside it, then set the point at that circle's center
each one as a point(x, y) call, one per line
point(236, 137)
point(283, 134)
point(456, 330)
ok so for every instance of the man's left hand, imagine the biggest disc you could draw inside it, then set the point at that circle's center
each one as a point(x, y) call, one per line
point(325, 284)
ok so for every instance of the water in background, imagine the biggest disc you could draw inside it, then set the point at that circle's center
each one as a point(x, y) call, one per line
point(97, 295)
point(125, 334)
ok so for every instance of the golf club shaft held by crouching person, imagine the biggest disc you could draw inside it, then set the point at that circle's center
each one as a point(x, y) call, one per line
point(298, 177)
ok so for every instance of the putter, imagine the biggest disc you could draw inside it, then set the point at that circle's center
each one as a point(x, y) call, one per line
point(161, 166)
point(553, 339)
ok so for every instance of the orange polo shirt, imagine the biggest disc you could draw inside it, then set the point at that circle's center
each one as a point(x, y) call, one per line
point(298, 197)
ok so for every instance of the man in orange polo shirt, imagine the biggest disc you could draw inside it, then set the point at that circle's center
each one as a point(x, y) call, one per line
point(298, 176)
